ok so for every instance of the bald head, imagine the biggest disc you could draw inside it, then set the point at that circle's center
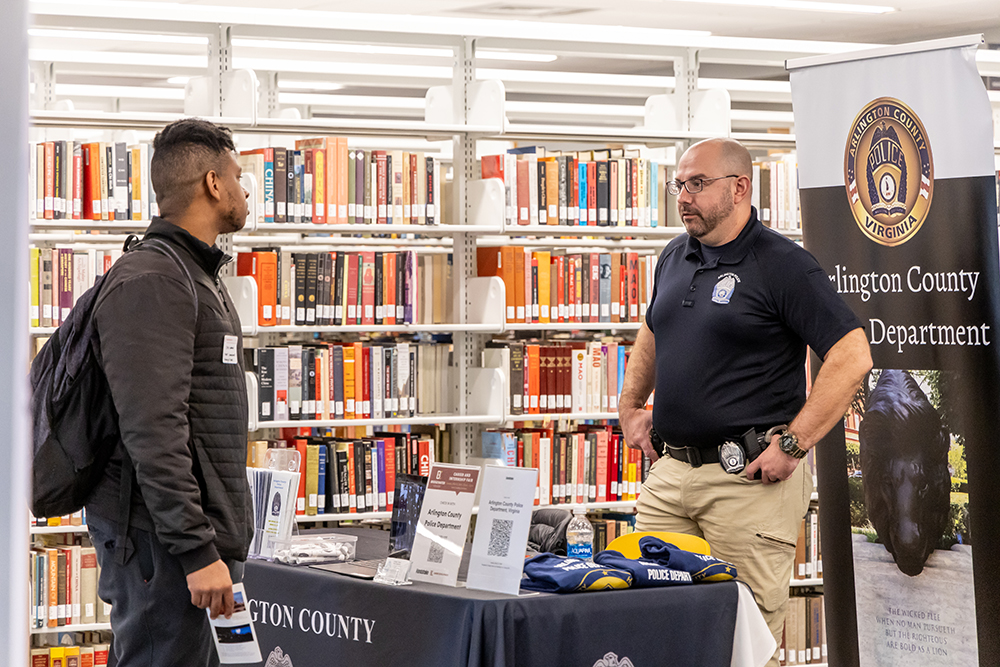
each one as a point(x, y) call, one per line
point(728, 154)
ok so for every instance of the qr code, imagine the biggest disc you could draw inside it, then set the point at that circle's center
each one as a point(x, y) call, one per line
point(500, 537)
point(436, 554)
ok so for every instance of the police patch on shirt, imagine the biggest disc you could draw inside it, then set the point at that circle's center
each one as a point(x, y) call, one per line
point(723, 290)
point(889, 171)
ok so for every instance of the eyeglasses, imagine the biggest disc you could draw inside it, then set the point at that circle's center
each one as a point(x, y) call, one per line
point(693, 185)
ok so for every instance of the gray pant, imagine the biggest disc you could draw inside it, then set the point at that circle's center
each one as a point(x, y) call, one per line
point(154, 622)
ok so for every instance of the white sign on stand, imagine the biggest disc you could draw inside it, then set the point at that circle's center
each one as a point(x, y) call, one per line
point(502, 529)
point(444, 524)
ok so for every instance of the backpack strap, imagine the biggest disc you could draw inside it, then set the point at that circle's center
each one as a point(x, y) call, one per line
point(123, 545)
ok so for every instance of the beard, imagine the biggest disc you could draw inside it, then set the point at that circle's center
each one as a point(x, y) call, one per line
point(703, 221)
point(235, 217)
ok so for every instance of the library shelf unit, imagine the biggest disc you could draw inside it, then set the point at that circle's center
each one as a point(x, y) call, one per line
point(57, 530)
point(614, 506)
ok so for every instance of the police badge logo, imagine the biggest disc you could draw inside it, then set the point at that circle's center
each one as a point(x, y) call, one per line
point(889, 172)
point(611, 659)
point(278, 659)
point(723, 290)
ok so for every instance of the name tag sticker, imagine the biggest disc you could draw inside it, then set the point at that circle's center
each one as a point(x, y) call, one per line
point(229, 349)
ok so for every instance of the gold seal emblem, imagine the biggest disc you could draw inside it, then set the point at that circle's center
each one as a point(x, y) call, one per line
point(889, 172)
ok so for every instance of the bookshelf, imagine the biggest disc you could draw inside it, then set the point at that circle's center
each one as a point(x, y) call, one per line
point(77, 627)
point(465, 113)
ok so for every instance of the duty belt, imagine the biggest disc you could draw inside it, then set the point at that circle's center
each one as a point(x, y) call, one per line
point(696, 456)
point(753, 442)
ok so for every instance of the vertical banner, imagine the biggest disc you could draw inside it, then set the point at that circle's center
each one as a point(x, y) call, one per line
point(898, 196)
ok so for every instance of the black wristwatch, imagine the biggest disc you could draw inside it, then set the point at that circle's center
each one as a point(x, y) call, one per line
point(788, 442)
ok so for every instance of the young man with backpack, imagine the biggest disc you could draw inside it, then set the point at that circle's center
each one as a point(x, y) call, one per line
point(170, 346)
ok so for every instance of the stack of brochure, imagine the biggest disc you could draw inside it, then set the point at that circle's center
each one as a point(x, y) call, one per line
point(273, 493)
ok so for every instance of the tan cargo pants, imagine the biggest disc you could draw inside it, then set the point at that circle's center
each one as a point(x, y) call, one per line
point(753, 526)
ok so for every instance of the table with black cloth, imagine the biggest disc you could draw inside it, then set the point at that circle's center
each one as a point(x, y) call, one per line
point(317, 618)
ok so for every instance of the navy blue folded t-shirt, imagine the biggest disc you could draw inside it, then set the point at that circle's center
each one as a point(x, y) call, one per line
point(645, 573)
point(550, 573)
point(700, 566)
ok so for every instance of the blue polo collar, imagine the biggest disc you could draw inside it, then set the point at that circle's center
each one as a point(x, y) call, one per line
point(735, 250)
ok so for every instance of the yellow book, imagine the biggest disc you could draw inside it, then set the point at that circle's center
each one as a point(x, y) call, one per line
point(71, 657)
point(34, 256)
point(57, 656)
point(349, 408)
point(544, 284)
point(312, 478)
point(319, 185)
point(136, 182)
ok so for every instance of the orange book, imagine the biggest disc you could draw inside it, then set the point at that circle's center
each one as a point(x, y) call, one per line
point(633, 286)
point(263, 266)
point(338, 177)
point(523, 200)
point(518, 286)
point(53, 560)
point(389, 287)
point(349, 405)
point(552, 190)
point(544, 285)
point(300, 500)
point(319, 185)
point(532, 359)
point(491, 166)
point(488, 261)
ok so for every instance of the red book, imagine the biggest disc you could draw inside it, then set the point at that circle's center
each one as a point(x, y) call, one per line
point(566, 377)
point(633, 286)
point(91, 169)
point(100, 654)
point(390, 473)
point(573, 176)
point(593, 308)
point(368, 287)
point(491, 166)
point(602, 466)
point(366, 382)
point(614, 465)
point(300, 501)
point(380, 191)
point(559, 275)
point(543, 381)
point(351, 307)
point(571, 285)
point(523, 200)
point(352, 480)
point(77, 194)
point(623, 288)
point(520, 452)
point(425, 454)
point(592, 193)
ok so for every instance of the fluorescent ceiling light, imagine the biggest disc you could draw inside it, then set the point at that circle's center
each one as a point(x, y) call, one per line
point(309, 85)
point(802, 5)
point(116, 58)
point(146, 37)
point(134, 92)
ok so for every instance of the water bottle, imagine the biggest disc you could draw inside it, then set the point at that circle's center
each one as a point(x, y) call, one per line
point(580, 536)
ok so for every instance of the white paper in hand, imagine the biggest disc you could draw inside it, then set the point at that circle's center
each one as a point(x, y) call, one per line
point(235, 637)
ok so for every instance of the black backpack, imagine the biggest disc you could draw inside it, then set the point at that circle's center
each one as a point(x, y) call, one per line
point(74, 421)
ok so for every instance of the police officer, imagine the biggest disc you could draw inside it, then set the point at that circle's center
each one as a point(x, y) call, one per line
point(734, 306)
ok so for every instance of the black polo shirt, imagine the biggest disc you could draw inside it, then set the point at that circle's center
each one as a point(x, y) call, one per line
point(731, 333)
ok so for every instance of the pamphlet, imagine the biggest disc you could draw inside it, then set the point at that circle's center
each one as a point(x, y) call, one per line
point(273, 493)
point(235, 637)
point(444, 524)
point(505, 504)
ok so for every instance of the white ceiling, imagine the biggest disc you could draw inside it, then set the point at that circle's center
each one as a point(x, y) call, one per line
point(914, 19)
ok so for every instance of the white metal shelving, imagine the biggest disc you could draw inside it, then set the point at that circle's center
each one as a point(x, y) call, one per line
point(79, 627)
point(57, 530)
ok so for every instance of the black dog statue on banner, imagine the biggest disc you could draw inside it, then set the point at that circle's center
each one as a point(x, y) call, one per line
point(904, 460)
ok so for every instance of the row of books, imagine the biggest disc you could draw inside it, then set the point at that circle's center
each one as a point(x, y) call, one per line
point(808, 555)
point(805, 632)
point(92, 655)
point(321, 180)
point(610, 526)
point(549, 286)
point(352, 475)
point(72, 180)
point(559, 377)
point(64, 587)
point(591, 464)
point(57, 277)
point(75, 519)
point(349, 288)
point(775, 192)
point(352, 381)
point(582, 188)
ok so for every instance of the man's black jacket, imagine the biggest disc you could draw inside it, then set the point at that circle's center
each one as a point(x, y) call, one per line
point(180, 393)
